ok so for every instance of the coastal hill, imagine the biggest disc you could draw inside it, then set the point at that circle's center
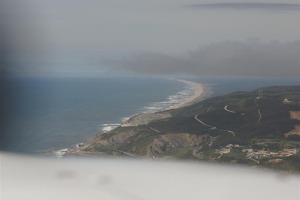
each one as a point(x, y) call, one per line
point(261, 128)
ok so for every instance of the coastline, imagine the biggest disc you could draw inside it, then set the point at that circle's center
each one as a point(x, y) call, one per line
point(200, 92)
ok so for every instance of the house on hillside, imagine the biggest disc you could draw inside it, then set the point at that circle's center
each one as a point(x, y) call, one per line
point(286, 101)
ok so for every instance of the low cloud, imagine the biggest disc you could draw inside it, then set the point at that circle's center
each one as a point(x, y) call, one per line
point(228, 58)
point(248, 6)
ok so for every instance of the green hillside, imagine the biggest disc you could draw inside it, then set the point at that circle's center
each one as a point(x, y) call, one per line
point(260, 128)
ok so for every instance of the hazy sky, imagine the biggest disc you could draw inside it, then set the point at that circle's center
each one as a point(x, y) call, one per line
point(151, 36)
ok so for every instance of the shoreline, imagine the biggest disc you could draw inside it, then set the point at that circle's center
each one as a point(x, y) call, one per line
point(201, 92)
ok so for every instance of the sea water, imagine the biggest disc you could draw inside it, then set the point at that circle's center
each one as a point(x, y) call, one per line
point(46, 114)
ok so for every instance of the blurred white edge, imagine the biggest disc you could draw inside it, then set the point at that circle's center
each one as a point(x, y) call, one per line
point(43, 178)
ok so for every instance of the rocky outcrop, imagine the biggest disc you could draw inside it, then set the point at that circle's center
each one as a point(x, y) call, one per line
point(146, 118)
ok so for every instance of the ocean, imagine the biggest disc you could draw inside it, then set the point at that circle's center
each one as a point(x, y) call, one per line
point(44, 114)
point(41, 115)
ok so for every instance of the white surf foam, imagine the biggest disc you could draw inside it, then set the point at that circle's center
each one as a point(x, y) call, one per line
point(108, 127)
point(172, 100)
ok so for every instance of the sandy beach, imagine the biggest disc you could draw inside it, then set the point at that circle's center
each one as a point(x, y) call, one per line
point(200, 93)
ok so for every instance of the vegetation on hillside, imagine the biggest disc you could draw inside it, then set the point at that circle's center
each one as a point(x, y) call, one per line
point(242, 127)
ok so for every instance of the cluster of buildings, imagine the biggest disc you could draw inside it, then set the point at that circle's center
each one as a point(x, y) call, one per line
point(260, 154)
point(286, 101)
point(227, 148)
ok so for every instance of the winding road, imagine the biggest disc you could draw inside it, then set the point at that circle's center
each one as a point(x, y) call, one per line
point(226, 109)
point(213, 127)
point(153, 129)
